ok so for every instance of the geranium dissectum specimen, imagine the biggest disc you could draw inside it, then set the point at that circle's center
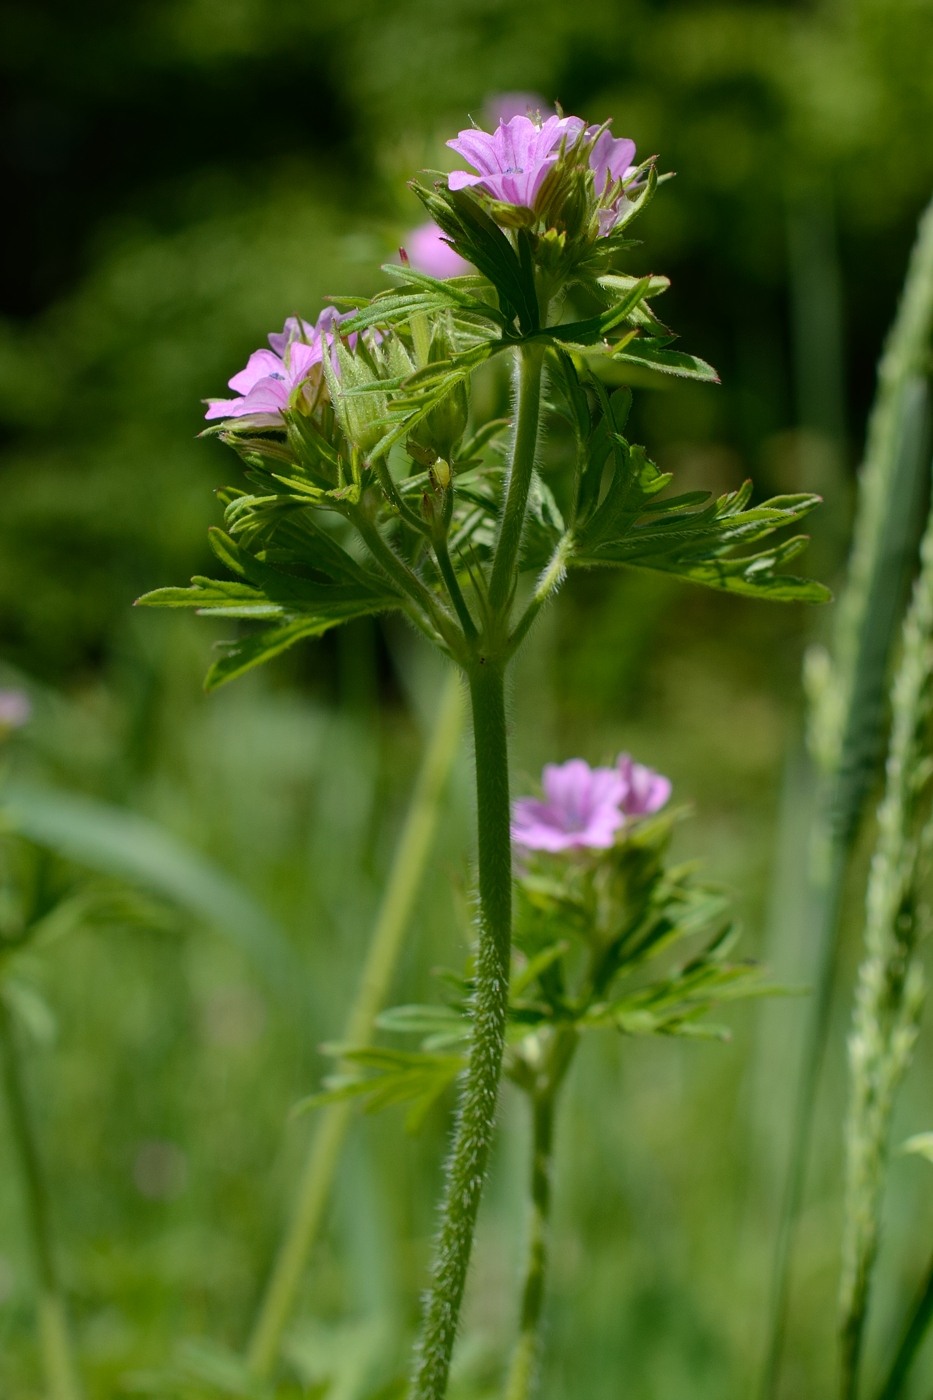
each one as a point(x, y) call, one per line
point(373, 485)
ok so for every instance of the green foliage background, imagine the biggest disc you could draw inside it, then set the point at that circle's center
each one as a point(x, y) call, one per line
point(190, 173)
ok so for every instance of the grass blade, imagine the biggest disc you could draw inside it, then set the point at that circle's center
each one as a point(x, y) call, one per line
point(847, 691)
point(120, 843)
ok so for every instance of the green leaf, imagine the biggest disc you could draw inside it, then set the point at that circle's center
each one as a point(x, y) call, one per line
point(597, 327)
point(243, 653)
point(629, 527)
point(672, 1005)
point(214, 597)
point(544, 525)
point(386, 1078)
point(482, 437)
point(456, 295)
point(652, 354)
point(441, 1026)
point(116, 842)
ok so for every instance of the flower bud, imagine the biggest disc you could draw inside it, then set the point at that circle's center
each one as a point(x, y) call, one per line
point(441, 429)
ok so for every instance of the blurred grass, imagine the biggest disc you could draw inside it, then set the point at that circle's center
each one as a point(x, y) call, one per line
point(163, 1103)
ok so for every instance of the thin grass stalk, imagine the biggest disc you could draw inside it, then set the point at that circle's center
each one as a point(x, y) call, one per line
point(847, 695)
point(913, 1335)
point(523, 1368)
point(524, 1365)
point(58, 1361)
point(890, 988)
point(405, 878)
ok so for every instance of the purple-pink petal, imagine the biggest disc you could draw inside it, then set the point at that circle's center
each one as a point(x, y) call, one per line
point(294, 329)
point(268, 396)
point(262, 364)
point(581, 809)
point(610, 158)
point(644, 790)
point(513, 160)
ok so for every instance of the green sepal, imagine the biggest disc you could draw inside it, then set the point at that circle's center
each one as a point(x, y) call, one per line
point(478, 239)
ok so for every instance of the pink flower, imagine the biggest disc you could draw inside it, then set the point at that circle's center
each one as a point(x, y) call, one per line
point(428, 251)
point(270, 378)
point(506, 105)
point(15, 710)
point(586, 806)
point(643, 790)
point(581, 808)
point(513, 161)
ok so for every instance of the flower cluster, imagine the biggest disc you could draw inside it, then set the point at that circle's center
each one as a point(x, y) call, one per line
point(513, 162)
point(586, 807)
point(274, 379)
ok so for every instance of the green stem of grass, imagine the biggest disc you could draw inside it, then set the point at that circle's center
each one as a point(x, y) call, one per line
point(404, 881)
point(914, 1333)
point(58, 1362)
point(466, 1168)
point(848, 716)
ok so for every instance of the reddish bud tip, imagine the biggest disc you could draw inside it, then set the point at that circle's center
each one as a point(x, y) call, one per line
point(404, 257)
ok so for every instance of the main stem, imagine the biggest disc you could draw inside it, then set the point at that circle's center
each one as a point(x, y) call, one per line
point(522, 1372)
point(61, 1373)
point(378, 970)
point(466, 1168)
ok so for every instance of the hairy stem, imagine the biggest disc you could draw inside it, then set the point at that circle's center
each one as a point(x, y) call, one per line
point(405, 878)
point(531, 361)
point(408, 581)
point(914, 1334)
point(466, 1167)
point(550, 580)
point(61, 1373)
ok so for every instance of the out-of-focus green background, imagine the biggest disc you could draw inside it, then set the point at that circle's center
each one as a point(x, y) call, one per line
point(179, 177)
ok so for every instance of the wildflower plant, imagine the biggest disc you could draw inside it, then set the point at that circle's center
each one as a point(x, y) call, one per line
point(371, 488)
point(597, 907)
